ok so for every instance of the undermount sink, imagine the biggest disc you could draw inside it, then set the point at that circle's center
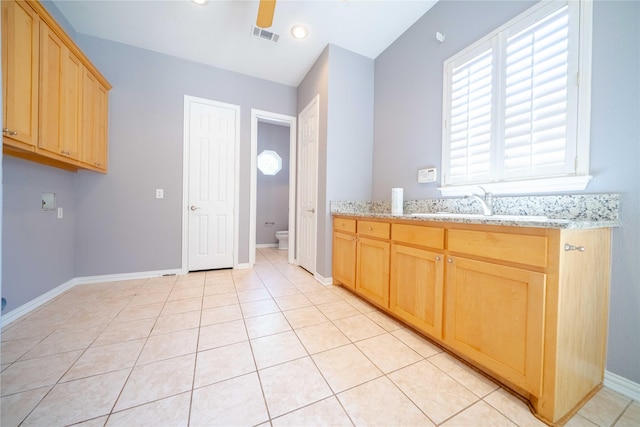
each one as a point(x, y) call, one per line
point(483, 217)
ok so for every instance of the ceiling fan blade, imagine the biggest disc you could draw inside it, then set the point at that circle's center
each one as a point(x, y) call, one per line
point(265, 13)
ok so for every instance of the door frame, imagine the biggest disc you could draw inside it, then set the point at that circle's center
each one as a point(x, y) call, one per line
point(275, 118)
point(185, 179)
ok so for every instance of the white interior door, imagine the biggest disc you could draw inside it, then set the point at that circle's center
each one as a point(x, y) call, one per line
point(308, 185)
point(212, 139)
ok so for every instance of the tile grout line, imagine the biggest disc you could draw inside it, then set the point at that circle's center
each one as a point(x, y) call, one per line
point(195, 360)
point(135, 363)
point(253, 356)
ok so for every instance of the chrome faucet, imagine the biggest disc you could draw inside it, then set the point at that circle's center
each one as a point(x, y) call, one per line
point(486, 200)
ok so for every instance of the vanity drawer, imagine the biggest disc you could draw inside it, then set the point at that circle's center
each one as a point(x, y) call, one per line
point(374, 229)
point(344, 224)
point(520, 248)
point(432, 237)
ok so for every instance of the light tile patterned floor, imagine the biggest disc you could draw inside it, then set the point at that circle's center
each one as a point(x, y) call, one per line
point(266, 346)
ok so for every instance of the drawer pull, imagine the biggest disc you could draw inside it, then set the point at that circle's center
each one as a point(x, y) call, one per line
point(568, 247)
point(370, 228)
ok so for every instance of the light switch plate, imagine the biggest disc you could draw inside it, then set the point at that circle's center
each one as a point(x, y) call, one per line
point(427, 175)
point(159, 193)
point(60, 213)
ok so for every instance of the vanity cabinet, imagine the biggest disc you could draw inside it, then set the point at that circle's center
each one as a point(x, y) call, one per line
point(54, 99)
point(361, 251)
point(495, 310)
point(372, 265)
point(417, 276)
point(495, 316)
point(344, 252)
point(526, 305)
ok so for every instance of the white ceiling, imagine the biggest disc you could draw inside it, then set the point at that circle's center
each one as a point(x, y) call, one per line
point(218, 33)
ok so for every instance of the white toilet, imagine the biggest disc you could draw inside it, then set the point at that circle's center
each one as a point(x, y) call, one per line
point(283, 239)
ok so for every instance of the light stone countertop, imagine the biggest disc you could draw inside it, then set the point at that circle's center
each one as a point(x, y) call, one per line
point(564, 212)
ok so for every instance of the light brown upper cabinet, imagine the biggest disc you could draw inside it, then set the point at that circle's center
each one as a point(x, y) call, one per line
point(20, 59)
point(57, 113)
point(93, 130)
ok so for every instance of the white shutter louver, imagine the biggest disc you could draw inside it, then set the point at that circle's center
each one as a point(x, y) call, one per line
point(470, 120)
point(535, 120)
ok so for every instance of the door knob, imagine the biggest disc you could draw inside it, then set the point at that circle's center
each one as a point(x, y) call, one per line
point(194, 208)
point(312, 210)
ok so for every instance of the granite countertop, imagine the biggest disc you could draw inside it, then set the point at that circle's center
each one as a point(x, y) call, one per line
point(564, 212)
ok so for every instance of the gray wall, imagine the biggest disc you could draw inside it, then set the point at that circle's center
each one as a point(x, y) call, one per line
point(408, 115)
point(113, 223)
point(38, 248)
point(121, 227)
point(316, 82)
point(344, 81)
point(349, 138)
point(29, 234)
point(272, 195)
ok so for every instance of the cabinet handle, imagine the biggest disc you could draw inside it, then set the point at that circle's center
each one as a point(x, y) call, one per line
point(437, 258)
point(370, 228)
point(568, 247)
point(13, 133)
point(5, 130)
point(449, 260)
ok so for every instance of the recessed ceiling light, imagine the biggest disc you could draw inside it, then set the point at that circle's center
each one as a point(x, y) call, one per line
point(299, 31)
point(200, 2)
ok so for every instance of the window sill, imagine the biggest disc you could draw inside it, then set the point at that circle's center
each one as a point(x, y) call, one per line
point(531, 186)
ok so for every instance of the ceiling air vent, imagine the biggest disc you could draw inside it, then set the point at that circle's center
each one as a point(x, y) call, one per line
point(263, 34)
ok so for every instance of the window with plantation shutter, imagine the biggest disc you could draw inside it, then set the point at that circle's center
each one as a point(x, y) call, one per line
point(512, 110)
point(470, 138)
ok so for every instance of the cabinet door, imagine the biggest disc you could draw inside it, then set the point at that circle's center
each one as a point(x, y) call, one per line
point(372, 274)
point(71, 104)
point(494, 315)
point(60, 83)
point(20, 26)
point(344, 259)
point(416, 287)
point(93, 134)
point(51, 63)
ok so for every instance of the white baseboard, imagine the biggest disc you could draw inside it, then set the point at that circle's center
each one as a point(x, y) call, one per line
point(267, 245)
point(28, 307)
point(87, 280)
point(323, 280)
point(622, 385)
point(18, 312)
point(243, 266)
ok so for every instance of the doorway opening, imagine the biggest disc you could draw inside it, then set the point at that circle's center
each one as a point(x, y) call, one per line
point(273, 185)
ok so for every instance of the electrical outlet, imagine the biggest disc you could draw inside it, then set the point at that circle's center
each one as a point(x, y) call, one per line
point(159, 193)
